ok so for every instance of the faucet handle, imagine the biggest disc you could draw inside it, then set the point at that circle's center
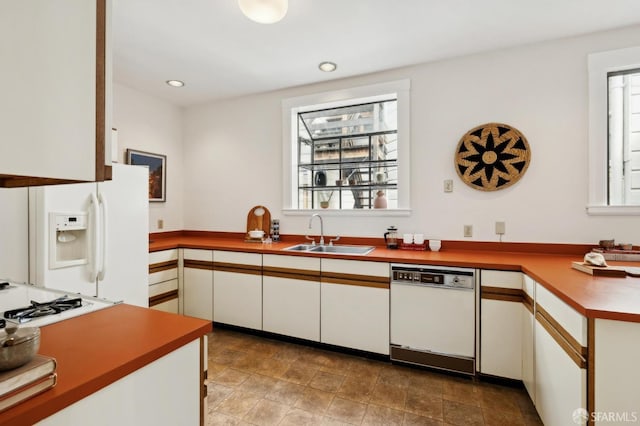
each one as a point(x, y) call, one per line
point(313, 241)
point(334, 239)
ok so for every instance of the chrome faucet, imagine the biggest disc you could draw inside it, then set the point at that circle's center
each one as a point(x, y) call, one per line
point(321, 227)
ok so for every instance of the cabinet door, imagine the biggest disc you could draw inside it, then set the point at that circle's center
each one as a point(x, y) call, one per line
point(355, 317)
point(237, 299)
point(291, 307)
point(528, 324)
point(560, 352)
point(237, 289)
point(355, 304)
point(291, 296)
point(501, 324)
point(54, 113)
point(560, 383)
point(198, 283)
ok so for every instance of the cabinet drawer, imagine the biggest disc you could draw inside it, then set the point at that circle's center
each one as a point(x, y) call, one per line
point(193, 254)
point(165, 275)
point(163, 256)
point(573, 323)
point(374, 269)
point(170, 306)
point(291, 262)
point(254, 259)
point(528, 285)
point(163, 287)
point(503, 279)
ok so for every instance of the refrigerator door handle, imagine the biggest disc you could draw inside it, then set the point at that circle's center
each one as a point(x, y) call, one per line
point(104, 210)
point(94, 268)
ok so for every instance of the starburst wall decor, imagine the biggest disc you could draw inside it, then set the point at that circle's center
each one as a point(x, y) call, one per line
point(492, 156)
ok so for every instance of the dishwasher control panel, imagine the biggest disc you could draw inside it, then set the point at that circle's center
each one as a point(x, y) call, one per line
point(463, 278)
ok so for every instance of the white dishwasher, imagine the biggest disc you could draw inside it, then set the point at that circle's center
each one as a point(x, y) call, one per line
point(433, 316)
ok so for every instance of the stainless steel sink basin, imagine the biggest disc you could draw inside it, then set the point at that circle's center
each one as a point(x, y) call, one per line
point(300, 247)
point(339, 249)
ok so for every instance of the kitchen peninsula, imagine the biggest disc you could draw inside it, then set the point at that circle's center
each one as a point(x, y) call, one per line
point(121, 365)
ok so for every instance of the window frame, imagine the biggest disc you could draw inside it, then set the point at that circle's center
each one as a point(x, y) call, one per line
point(399, 89)
point(600, 64)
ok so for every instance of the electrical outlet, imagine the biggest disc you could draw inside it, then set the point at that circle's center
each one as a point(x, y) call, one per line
point(500, 228)
point(160, 223)
point(468, 230)
point(448, 185)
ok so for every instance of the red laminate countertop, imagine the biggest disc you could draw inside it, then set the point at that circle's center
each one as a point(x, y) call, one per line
point(593, 297)
point(99, 348)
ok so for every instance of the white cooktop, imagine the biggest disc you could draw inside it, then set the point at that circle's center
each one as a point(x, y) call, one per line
point(20, 295)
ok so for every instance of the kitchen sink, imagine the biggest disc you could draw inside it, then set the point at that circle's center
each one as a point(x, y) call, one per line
point(339, 249)
point(300, 247)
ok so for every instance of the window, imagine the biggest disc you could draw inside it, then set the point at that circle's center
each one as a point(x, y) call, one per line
point(348, 156)
point(614, 132)
point(348, 150)
point(624, 137)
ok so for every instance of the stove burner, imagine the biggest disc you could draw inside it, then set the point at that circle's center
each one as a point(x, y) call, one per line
point(38, 309)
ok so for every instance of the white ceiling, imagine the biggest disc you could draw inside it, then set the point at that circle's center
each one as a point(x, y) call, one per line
point(220, 53)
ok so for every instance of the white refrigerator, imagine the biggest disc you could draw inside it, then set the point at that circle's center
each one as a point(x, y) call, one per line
point(92, 238)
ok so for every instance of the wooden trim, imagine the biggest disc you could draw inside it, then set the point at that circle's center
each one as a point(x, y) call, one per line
point(566, 346)
point(15, 181)
point(198, 264)
point(101, 40)
point(355, 277)
point(527, 301)
point(501, 293)
point(202, 373)
point(163, 297)
point(591, 368)
point(360, 283)
point(163, 266)
point(237, 268)
point(294, 274)
point(575, 345)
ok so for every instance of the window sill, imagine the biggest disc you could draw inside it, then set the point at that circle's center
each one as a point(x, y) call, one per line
point(350, 213)
point(613, 210)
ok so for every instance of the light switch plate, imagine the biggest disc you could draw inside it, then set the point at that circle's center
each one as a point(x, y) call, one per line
point(468, 230)
point(448, 185)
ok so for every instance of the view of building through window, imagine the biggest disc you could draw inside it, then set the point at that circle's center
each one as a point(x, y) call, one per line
point(624, 137)
point(348, 157)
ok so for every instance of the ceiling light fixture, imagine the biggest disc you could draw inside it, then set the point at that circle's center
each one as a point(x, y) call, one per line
point(327, 66)
point(264, 11)
point(175, 83)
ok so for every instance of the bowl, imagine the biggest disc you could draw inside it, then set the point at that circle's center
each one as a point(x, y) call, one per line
point(607, 243)
point(435, 245)
point(256, 233)
point(18, 346)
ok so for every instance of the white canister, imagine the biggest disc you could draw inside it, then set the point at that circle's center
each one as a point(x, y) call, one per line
point(418, 238)
point(407, 238)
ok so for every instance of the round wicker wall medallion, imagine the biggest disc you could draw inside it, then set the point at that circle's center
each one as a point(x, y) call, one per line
point(492, 156)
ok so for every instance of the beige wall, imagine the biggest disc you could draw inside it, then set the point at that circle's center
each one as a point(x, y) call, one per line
point(150, 124)
point(233, 149)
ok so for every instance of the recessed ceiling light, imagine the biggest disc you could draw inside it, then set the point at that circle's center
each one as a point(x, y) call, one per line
point(327, 66)
point(175, 83)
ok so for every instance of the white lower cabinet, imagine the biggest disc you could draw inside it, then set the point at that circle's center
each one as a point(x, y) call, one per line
point(355, 304)
point(528, 326)
point(501, 324)
point(163, 281)
point(237, 289)
point(197, 283)
point(560, 365)
point(291, 296)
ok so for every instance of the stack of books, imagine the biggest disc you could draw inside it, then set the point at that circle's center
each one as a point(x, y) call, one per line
point(27, 381)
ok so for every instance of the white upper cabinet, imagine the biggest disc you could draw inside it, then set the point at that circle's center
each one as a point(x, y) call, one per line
point(55, 109)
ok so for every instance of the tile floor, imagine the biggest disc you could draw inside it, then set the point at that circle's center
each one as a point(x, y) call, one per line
point(259, 381)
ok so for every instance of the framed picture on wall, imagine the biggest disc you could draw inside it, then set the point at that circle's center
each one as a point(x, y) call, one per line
point(157, 165)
